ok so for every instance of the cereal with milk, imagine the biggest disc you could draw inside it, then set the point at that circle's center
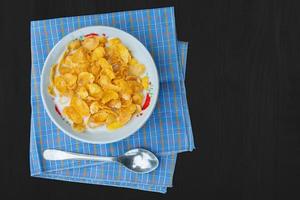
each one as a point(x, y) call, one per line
point(97, 82)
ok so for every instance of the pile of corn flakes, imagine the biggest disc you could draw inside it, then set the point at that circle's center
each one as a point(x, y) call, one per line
point(102, 80)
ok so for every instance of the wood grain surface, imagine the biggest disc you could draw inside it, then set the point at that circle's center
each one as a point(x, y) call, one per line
point(243, 79)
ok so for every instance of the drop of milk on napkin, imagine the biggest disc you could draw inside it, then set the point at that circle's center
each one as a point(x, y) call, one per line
point(142, 161)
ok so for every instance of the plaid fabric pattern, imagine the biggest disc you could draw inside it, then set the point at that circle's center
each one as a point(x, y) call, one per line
point(167, 132)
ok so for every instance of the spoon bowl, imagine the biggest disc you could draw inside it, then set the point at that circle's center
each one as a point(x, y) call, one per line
point(139, 160)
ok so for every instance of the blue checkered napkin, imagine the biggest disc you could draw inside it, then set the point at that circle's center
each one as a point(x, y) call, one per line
point(172, 130)
point(108, 175)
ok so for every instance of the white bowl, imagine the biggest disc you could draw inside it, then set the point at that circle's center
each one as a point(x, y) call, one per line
point(101, 135)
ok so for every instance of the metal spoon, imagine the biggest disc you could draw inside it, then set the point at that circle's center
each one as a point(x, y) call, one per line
point(136, 160)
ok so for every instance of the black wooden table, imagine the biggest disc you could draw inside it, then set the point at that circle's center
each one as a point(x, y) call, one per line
point(243, 80)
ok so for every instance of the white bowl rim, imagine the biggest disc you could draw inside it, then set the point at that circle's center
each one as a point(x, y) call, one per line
point(154, 99)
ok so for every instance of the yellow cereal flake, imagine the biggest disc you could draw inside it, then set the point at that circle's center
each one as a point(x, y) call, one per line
point(90, 99)
point(115, 103)
point(130, 109)
point(109, 95)
point(132, 78)
point(81, 67)
point(114, 41)
point(72, 114)
point(51, 90)
point(135, 86)
point(95, 107)
point(95, 70)
point(52, 74)
point(63, 69)
point(94, 90)
point(104, 64)
point(90, 43)
point(82, 92)
point(97, 119)
point(138, 98)
point(102, 40)
point(145, 82)
point(138, 109)
point(80, 106)
point(124, 116)
point(114, 125)
point(126, 103)
point(137, 69)
point(79, 56)
point(100, 116)
point(124, 54)
point(75, 44)
point(60, 84)
point(67, 61)
point(70, 80)
point(133, 61)
point(85, 78)
point(109, 73)
point(98, 53)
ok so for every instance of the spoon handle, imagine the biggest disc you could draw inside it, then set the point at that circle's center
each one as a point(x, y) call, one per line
point(53, 154)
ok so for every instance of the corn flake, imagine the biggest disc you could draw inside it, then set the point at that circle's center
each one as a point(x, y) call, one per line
point(95, 107)
point(79, 56)
point(98, 53)
point(109, 95)
point(137, 69)
point(82, 92)
point(90, 43)
point(60, 84)
point(115, 103)
point(51, 90)
point(70, 80)
point(110, 118)
point(72, 114)
point(97, 119)
point(104, 64)
point(75, 44)
point(115, 125)
point(80, 106)
point(64, 69)
point(81, 67)
point(95, 70)
point(138, 98)
point(145, 82)
point(85, 78)
point(94, 90)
